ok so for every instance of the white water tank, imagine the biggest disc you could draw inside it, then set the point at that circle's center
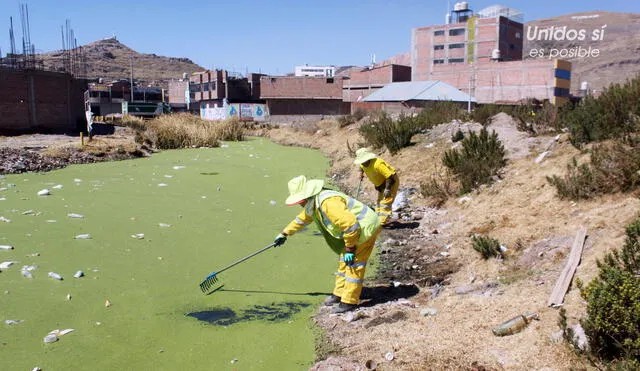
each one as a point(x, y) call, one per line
point(462, 5)
point(584, 86)
point(495, 54)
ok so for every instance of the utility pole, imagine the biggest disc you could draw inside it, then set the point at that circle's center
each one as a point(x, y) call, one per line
point(131, 79)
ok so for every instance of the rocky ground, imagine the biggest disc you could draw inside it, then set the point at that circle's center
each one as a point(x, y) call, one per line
point(434, 301)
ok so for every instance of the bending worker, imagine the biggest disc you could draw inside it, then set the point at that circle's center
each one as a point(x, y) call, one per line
point(349, 227)
point(384, 179)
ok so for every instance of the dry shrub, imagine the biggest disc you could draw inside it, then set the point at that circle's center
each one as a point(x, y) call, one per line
point(439, 188)
point(480, 158)
point(133, 122)
point(614, 167)
point(488, 247)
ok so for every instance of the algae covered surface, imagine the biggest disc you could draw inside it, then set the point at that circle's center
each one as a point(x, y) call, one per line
point(158, 226)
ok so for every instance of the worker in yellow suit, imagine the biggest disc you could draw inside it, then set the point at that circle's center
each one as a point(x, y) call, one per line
point(384, 179)
point(350, 228)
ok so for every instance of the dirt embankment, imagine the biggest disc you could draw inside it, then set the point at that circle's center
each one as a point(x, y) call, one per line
point(437, 298)
point(434, 301)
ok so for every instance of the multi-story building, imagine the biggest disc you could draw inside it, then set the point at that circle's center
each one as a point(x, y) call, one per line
point(470, 38)
point(481, 54)
point(213, 87)
point(315, 71)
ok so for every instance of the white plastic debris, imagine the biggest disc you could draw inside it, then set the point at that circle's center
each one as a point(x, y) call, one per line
point(78, 274)
point(464, 199)
point(162, 185)
point(74, 215)
point(3, 198)
point(59, 186)
point(51, 221)
point(28, 212)
point(68, 296)
point(165, 225)
point(50, 338)
point(26, 271)
point(389, 356)
point(44, 192)
point(12, 321)
point(178, 167)
point(7, 264)
point(84, 236)
point(542, 156)
point(168, 176)
point(6, 247)
point(3, 219)
point(272, 202)
point(54, 335)
point(138, 236)
point(55, 276)
point(444, 253)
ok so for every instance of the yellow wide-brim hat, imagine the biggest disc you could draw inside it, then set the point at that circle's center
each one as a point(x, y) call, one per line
point(300, 188)
point(363, 155)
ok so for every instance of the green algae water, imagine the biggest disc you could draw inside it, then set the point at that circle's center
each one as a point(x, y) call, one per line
point(158, 226)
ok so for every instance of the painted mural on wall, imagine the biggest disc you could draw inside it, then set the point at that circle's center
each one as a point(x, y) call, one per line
point(245, 111)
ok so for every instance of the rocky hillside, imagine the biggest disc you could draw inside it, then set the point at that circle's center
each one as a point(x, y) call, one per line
point(616, 36)
point(111, 59)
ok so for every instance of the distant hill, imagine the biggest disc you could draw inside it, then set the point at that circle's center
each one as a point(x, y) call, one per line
point(619, 49)
point(111, 60)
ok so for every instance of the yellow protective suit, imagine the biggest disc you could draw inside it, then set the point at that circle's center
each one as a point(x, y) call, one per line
point(344, 221)
point(378, 171)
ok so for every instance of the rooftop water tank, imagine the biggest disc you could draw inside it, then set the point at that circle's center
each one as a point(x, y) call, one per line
point(462, 5)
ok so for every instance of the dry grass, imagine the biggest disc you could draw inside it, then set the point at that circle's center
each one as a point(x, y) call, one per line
point(184, 131)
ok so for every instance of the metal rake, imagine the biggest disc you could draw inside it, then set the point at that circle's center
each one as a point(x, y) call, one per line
point(211, 279)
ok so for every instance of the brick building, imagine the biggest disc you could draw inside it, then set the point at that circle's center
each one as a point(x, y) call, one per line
point(362, 83)
point(475, 40)
point(481, 54)
point(213, 87)
point(41, 101)
point(289, 95)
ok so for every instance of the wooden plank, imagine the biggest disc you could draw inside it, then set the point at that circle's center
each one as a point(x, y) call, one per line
point(562, 284)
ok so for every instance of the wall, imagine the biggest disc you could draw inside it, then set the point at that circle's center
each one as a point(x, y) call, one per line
point(41, 101)
point(505, 82)
point(300, 87)
point(365, 82)
point(308, 107)
point(176, 91)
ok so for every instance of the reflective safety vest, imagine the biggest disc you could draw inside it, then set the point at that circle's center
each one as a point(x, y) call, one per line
point(366, 219)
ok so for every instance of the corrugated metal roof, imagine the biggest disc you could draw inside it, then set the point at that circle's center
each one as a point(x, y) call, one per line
point(418, 90)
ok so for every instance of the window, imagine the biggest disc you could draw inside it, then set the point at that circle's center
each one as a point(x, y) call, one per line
point(205, 86)
point(438, 61)
point(456, 60)
point(438, 33)
point(456, 31)
point(438, 47)
point(456, 46)
point(330, 80)
point(518, 35)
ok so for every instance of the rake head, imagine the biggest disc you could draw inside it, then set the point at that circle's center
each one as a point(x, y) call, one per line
point(209, 282)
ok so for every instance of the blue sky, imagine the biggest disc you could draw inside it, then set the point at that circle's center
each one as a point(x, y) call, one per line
point(258, 36)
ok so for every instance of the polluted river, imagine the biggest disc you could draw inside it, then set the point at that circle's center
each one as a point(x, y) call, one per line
point(100, 264)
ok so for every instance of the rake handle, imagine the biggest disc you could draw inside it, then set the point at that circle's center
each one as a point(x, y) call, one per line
point(245, 258)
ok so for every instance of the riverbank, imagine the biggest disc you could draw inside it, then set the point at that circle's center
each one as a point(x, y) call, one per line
point(435, 300)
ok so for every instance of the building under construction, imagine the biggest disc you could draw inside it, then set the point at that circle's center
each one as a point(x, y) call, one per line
point(33, 99)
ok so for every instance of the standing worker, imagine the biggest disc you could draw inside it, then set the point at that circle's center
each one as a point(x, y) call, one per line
point(350, 228)
point(384, 179)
